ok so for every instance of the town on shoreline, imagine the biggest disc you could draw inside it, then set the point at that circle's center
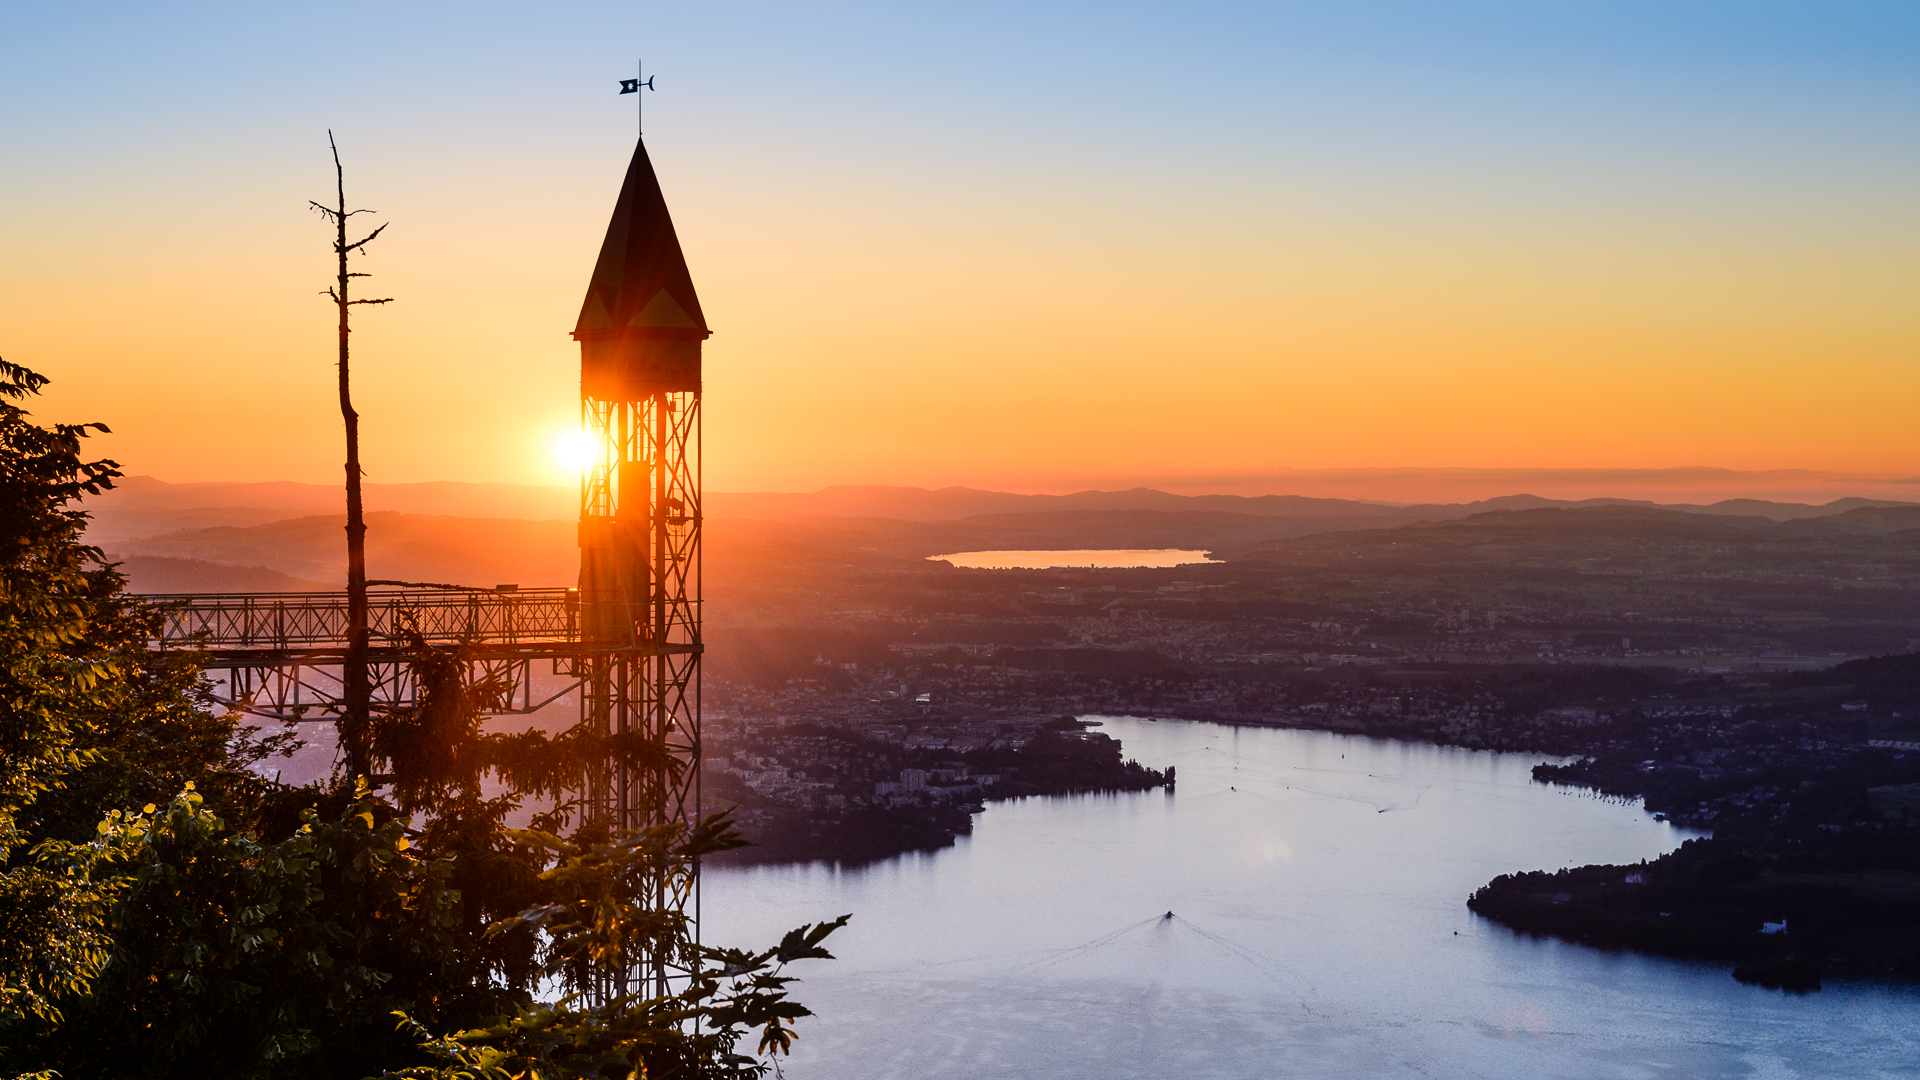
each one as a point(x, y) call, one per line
point(1811, 797)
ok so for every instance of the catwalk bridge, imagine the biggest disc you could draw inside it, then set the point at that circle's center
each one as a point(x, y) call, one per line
point(280, 654)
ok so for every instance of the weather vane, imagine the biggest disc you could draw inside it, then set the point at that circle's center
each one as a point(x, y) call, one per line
point(632, 86)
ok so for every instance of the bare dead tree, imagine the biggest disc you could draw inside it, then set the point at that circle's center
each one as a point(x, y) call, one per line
point(356, 709)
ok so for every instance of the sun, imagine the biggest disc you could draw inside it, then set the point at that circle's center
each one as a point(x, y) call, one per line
point(574, 450)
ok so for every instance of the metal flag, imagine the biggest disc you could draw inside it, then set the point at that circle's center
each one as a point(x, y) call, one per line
point(632, 86)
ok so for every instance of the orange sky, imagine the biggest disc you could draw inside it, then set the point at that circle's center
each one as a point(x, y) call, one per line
point(1694, 279)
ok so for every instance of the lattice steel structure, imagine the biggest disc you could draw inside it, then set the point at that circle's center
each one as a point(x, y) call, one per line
point(640, 567)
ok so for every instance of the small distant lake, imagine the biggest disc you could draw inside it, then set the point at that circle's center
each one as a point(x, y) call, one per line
point(1295, 908)
point(1041, 560)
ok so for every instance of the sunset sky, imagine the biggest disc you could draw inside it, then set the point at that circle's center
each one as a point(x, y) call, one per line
point(1030, 246)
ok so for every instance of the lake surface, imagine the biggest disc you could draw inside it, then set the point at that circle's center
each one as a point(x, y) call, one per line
point(1041, 560)
point(1318, 886)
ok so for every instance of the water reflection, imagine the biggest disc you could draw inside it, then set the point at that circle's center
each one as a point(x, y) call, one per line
point(1317, 886)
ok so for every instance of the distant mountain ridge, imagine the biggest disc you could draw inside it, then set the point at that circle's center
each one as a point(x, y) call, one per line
point(141, 506)
point(957, 503)
point(409, 547)
point(144, 506)
point(159, 574)
point(1568, 535)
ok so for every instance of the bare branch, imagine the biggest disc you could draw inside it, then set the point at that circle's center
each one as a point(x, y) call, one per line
point(370, 238)
point(388, 300)
point(428, 585)
point(339, 172)
point(332, 213)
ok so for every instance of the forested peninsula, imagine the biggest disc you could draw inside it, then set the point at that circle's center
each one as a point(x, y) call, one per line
point(1813, 797)
point(845, 796)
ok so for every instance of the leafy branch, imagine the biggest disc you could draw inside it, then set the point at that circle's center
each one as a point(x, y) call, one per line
point(600, 923)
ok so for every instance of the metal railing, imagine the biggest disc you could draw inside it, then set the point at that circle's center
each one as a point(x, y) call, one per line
point(292, 622)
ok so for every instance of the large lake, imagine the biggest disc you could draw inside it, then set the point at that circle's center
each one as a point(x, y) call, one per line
point(1318, 886)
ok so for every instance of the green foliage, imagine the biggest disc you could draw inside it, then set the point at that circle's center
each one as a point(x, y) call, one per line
point(436, 757)
point(148, 732)
point(90, 721)
point(437, 754)
point(234, 957)
point(54, 918)
point(51, 659)
point(209, 934)
point(603, 920)
point(191, 949)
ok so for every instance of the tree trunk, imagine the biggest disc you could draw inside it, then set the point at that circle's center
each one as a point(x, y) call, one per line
point(355, 718)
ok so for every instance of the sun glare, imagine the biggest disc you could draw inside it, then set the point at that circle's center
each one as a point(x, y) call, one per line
point(573, 450)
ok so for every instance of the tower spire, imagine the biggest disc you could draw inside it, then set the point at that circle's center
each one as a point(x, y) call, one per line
point(641, 324)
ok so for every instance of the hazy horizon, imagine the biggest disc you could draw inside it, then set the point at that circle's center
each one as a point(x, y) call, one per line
point(1398, 486)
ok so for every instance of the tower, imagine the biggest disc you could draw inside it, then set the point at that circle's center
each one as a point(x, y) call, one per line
point(640, 331)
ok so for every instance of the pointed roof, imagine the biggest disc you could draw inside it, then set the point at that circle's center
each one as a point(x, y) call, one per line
point(641, 281)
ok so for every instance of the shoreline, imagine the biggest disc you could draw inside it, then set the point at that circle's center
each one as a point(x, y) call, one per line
point(1784, 908)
